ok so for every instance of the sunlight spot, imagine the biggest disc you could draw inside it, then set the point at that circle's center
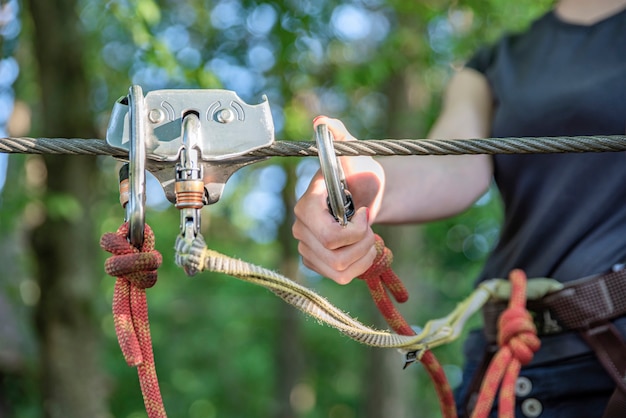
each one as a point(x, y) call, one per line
point(341, 411)
point(9, 70)
point(30, 292)
point(261, 57)
point(202, 408)
point(4, 163)
point(351, 23)
point(175, 37)
point(262, 19)
point(226, 14)
point(302, 398)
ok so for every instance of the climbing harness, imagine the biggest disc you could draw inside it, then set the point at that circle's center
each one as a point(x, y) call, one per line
point(194, 140)
point(585, 307)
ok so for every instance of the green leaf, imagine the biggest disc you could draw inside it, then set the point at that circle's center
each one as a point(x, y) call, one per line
point(149, 11)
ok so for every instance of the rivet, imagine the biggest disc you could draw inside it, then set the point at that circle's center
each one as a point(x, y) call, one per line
point(225, 116)
point(531, 408)
point(523, 386)
point(156, 116)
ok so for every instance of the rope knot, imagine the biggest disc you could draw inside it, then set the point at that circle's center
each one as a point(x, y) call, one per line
point(517, 331)
point(381, 271)
point(382, 262)
point(518, 341)
point(138, 266)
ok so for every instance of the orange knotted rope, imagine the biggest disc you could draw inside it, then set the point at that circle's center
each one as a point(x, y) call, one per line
point(135, 270)
point(518, 341)
point(380, 276)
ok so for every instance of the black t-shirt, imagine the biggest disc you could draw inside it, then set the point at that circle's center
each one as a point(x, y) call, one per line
point(565, 214)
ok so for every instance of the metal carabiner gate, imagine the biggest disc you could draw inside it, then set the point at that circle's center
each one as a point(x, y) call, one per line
point(189, 186)
point(339, 199)
point(135, 209)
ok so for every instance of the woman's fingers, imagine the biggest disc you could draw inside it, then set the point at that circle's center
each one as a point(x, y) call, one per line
point(339, 253)
point(336, 127)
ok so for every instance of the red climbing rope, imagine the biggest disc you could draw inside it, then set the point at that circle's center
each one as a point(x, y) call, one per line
point(135, 270)
point(380, 276)
point(518, 341)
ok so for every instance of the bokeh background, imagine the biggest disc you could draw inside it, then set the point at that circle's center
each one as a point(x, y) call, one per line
point(223, 348)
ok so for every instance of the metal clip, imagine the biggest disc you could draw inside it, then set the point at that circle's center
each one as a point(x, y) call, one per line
point(549, 324)
point(410, 358)
point(189, 187)
point(339, 198)
point(135, 209)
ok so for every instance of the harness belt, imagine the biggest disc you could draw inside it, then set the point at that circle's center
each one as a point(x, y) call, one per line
point(586, 306)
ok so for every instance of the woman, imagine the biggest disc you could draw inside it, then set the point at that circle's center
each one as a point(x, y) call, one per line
point(565, 215)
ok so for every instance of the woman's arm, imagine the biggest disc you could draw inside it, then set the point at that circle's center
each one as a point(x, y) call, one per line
point(426, 188)
point(397, 189)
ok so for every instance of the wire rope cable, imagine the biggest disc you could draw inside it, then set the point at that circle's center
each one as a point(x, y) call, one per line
point(370, 147)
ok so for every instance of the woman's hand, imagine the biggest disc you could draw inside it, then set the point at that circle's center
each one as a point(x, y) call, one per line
point(340, 253)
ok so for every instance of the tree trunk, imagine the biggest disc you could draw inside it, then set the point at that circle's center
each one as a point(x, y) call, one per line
point(65, 244)
point(390, 390)
point(289, 358)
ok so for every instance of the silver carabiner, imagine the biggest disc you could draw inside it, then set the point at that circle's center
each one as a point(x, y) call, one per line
point(339, 198)
point(135, 210)
point(189, 186)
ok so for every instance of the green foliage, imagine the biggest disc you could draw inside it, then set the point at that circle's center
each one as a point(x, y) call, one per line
point(216, 339)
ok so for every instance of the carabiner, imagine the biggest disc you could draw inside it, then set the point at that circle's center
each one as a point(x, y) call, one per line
point(135, 210)
point(189, 186)
point(339, 199)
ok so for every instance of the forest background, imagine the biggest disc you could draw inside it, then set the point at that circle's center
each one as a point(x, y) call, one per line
point(223, 348)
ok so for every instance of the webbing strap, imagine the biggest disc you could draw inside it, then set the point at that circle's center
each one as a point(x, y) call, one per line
point(587, 305)
point(193, 256)
point(610, 348)
point(585, 302)
point(616, 405)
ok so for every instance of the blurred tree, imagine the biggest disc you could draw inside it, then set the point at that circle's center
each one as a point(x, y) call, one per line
point(71, 375)
point(16, 290)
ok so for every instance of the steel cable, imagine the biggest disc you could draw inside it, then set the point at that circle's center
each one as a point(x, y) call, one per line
point(511, 145)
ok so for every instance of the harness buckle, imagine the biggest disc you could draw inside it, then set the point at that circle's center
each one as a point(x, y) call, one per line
point(547, 324)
